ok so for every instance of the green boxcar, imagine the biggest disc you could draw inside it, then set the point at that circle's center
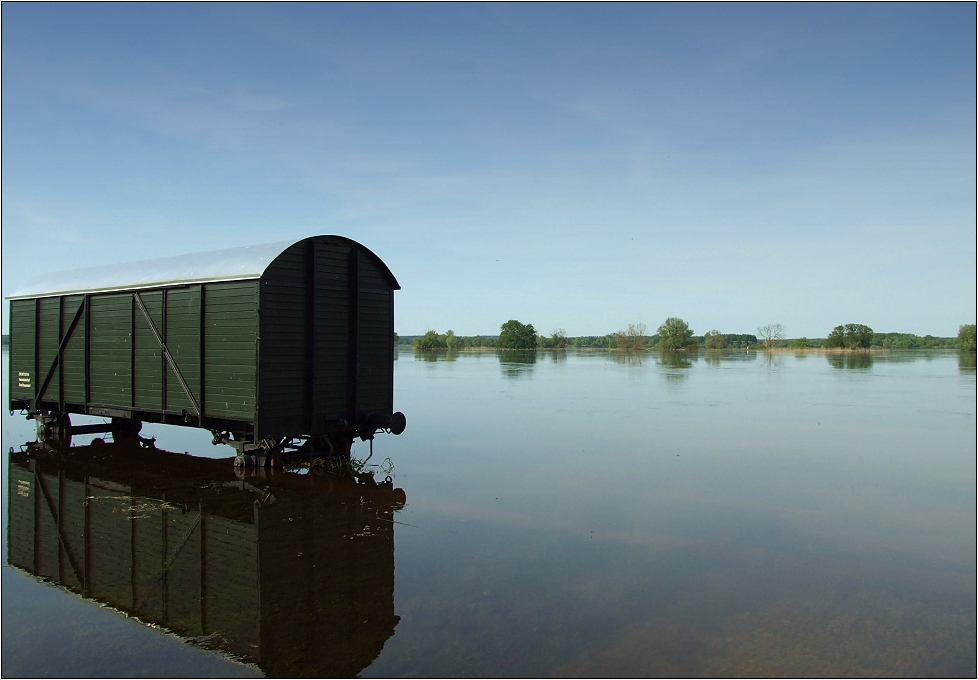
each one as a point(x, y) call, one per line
point(261, 345)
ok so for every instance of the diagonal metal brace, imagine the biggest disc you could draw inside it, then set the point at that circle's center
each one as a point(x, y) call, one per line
point(61, 347)
point(166, 353)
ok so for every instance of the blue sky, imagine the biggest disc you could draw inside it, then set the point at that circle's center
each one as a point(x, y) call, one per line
point(573, 166)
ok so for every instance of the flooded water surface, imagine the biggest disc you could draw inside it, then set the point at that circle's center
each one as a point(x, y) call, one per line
point(548, 514)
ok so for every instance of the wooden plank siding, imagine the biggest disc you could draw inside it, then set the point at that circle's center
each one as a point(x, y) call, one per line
point(332, 333)
point(375, 389)
point(282, 361)
point(374, 377)
point(182, 338)
point(23, 334)
point(230, 352)
point(110, 359)
point(148, 354)
point(48, 339)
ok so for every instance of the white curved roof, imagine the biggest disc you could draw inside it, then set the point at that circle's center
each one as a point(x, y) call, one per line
point(229, 264)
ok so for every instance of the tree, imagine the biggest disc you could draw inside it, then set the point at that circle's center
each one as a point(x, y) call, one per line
point(837, 338)
point(850, 336)
point(516, 335)
point(715, 340)
point(632, 339)
point(966, 337)
point(675, 334)
point(859, 335)
point(770, 334)
point(557, 340)
point(452, 341)
point(429, 341)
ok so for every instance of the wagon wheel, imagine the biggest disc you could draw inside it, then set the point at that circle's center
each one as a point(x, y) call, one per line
point(55, 429)
point(126, 429)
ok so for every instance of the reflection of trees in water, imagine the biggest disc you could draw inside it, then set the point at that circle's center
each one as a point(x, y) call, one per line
point(966, 361)
point(676, 365)
point(727, 356)
point(738, 355)
point(516, 362)
point(628, 358)
point(901, 357)
point(853, 360)
point(558, 356)
point(772, 359)
point(676, 359)
point(436, 355)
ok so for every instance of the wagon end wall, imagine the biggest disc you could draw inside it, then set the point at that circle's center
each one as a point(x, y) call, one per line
point(327, 328)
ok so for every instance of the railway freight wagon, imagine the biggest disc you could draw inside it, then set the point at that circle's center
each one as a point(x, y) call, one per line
point(273, 348)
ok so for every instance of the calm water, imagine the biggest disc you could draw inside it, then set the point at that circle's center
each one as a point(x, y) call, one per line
point(562, 514)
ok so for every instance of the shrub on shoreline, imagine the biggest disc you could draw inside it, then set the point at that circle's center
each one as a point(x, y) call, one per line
point(966, 337)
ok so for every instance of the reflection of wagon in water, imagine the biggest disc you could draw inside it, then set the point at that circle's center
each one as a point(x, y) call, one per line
point(294, 573)
point(273, 348)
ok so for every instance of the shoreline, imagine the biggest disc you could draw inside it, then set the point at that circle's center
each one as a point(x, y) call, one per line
point(698, 350)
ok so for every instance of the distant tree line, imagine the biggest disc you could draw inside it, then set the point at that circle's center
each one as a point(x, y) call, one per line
point(512, 335)
point(873, 340)
point(674, 334)
point(433, 340)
